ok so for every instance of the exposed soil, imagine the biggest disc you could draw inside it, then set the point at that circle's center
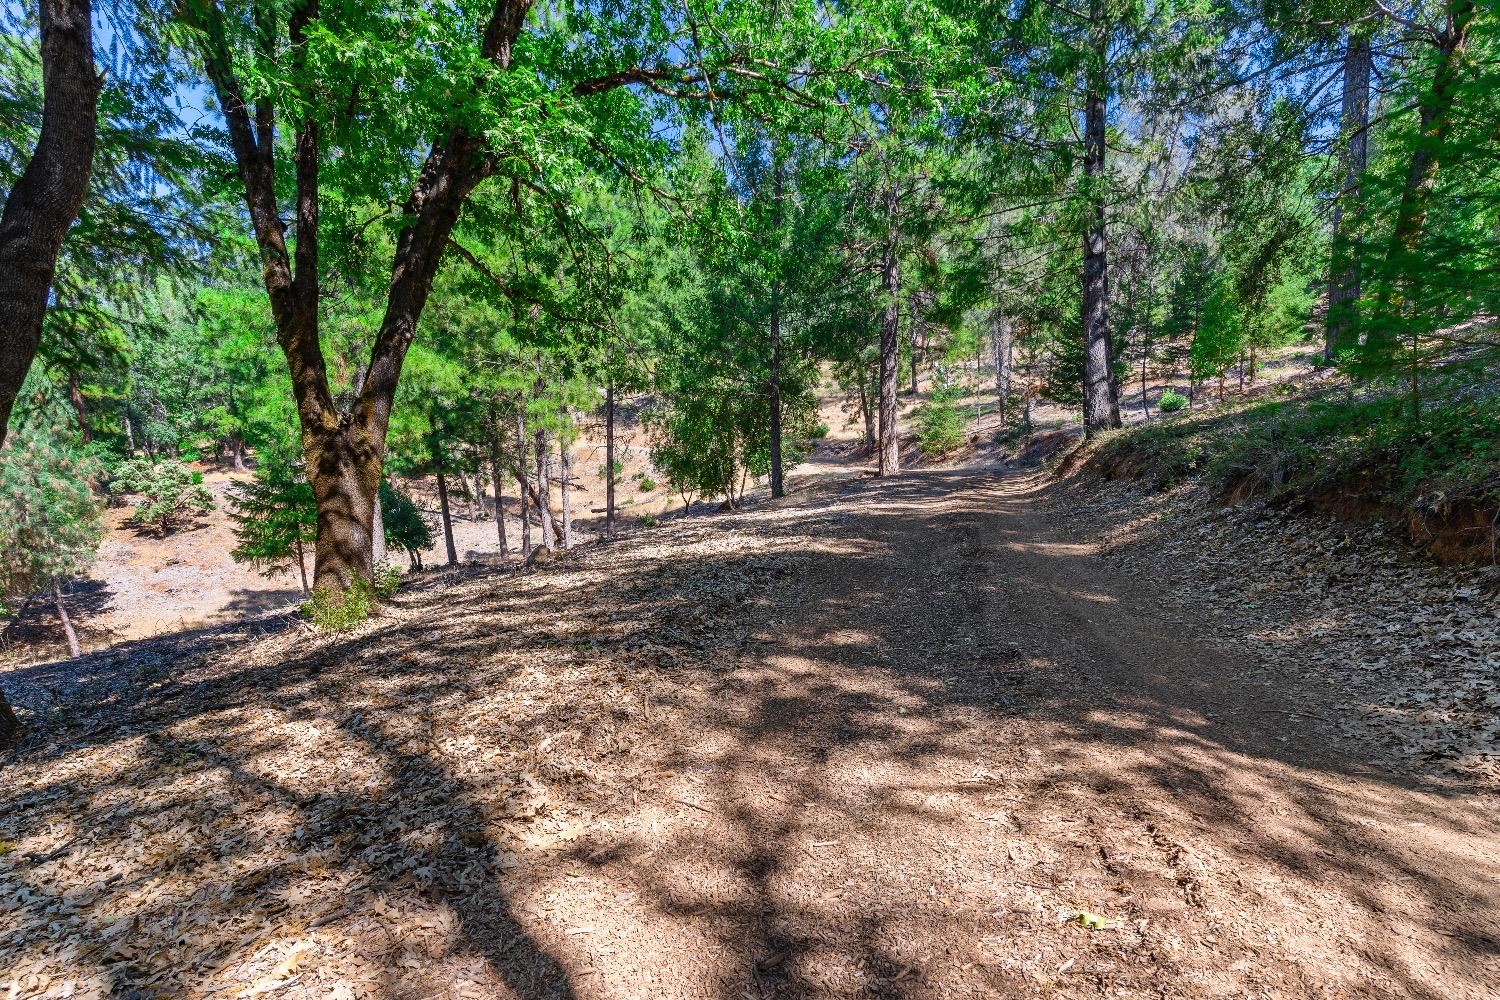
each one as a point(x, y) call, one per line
point(911, 738)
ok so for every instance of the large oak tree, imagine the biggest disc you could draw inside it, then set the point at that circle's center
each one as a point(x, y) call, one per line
point(417, 107)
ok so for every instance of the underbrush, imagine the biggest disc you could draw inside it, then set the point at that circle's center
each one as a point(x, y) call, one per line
point(1336, 447)
point(941, 428)
point(333, 610)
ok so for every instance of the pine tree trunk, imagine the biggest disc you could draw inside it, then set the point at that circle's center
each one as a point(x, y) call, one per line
point(1343, 280)
point(473, 485)
point(1101, 401)
point(544, 491)
point(778, 483)
point(10, 726)
point(495, 481)
point(778, 474)
point(447, 520)
point(567, 503)
point(867, 413)
point(1436, 120)
point(609, 458)
point(237, 453)
point(302, 568)
point(1002, 334)
point(521, 482)
point(890, 350)
point(67, 622)
point(47, 196)
point(377, 533)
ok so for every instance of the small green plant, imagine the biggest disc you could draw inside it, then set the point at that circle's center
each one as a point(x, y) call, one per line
point(619, 468)
point(819, 432)
point(405, 526)
point(387, 579)
point(649, 521)
point(169, 492)
point(1171, 401)
point(647, 484)
point(940, 421)
point(333, 610)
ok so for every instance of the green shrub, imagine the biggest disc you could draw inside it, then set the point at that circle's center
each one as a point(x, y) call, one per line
point(169, 491)
point(405, 526)
point(333, 610)
point(649, 521)
point(1171, 401)
point(647, 484)
point(819, 432)
point(387, 579)
point(50, 522)
point(276, 519)
point(1331, 442)
point(941, 429)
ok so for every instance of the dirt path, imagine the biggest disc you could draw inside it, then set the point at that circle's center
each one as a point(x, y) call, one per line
point(966, 732)
point(879, 740)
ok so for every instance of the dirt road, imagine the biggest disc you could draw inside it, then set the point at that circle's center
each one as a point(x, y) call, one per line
point(901, 739)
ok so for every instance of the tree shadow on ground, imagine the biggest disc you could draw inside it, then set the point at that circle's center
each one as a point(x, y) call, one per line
point(875, 753)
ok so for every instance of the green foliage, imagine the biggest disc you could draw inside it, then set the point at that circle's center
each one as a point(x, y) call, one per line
point(387, 579)
point(646, 484)
point(276, 519)
point(405, 526)
point(1171, 401)
point(50, 519)
point(1366, 447)
point(941, 427)
point(340, 610)
point(167, 491)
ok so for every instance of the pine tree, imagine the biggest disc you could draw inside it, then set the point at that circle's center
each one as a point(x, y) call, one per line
point(50, 522)
point(276, 520)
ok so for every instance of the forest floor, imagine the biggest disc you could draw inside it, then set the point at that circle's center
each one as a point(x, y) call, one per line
point(963, 733)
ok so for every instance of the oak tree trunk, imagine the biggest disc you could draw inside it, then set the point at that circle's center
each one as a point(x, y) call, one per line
point(343, 469)
point(1343, 274)
point(47, 196)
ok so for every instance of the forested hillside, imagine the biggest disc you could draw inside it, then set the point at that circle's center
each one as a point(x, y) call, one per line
point(774, 498)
